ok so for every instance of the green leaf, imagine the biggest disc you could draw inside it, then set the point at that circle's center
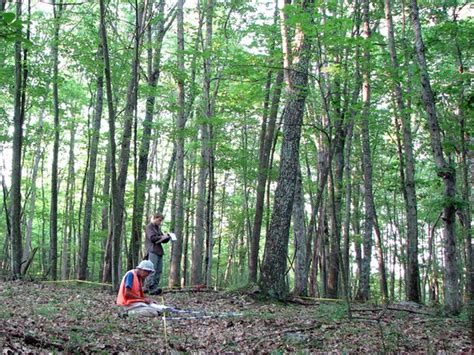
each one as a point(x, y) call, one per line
point(8, 17)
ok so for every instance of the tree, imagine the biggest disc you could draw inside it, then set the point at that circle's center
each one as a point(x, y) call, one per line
point(15, 193)
point(408, 179)
point(57, 11)
point(272, 281)
point(445, 171)
point(91, 172)
point(197, 251)
point(175, 268)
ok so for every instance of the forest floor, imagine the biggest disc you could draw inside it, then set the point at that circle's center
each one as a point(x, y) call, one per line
point(73, 318)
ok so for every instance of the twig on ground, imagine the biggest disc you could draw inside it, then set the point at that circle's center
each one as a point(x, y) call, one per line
point(409, 310)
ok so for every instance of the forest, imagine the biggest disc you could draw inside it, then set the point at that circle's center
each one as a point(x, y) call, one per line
point(319, 149)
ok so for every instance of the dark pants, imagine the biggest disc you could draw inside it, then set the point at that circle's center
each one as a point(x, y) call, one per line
point(152, 282)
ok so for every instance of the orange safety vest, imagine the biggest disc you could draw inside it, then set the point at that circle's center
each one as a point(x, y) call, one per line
point(136, 290)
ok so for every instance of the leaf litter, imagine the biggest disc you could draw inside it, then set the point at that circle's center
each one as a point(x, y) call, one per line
point(51, 318)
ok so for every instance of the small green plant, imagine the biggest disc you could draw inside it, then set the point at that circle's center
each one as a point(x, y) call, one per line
point(4, 314)
point(45, 310)
point(75, 341)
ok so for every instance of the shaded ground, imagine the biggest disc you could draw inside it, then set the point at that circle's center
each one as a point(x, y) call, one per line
point(45, 317)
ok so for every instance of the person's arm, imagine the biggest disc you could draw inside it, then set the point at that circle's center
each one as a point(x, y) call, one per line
point(156, 235)
point(129, 295)
point(128, 288)
point(153, 234)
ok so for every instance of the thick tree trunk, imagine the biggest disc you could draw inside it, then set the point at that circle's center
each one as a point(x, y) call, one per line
point(413, 274)
point(274, 265)
point(445, 171)
point(91, 172)
point(299, 230)
point(267, 133)
point(267, 136)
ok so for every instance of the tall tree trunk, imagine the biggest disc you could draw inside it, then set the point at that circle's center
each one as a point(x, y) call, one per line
point(364, 284)
point(39, 150)
point(112, 145)
point(266, 140)
point(197, 252)
point(15, 194)
point(348, 176)
point(272, 281)
point(91, 172)
point(210, 212)
point(445, 171)
point(57, 11)
point(118, 194)
point(105, 217)
point(467, 160)
point(69, 215)
point(413, 274)
point(25, 252)
point(267, 134)
point(154, 70)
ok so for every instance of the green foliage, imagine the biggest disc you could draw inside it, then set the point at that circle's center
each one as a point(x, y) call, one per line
point(10, 27)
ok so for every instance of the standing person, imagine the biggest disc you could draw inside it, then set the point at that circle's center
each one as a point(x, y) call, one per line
point(154, 237)
point(131, 296)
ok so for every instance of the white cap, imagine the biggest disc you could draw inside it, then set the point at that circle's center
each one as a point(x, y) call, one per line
point(146, 265)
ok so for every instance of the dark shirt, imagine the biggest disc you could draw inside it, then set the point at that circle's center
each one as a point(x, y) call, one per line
point(154, 237)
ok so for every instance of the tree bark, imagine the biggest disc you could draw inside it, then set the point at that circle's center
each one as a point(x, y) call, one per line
point(118, 191)
point(197, 252)
point(39, 150)
point(57, 10)
point(444, 169)
point(177, 249)
point(299, 230)
point(69, 215)
point(413, 274)
point(91, 172)
point(112, 145)
point(364, 283)
point(140, 185)
point(272, 281)
point(15, 194)
point(267, 134)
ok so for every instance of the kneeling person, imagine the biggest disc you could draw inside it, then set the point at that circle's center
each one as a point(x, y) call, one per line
point(131, 296)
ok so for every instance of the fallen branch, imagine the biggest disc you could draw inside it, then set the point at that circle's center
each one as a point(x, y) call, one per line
point(303, 302)
point(78, 282)
point(323, 299)
point(409, 310)
point(188, 289)
point(367, 309)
